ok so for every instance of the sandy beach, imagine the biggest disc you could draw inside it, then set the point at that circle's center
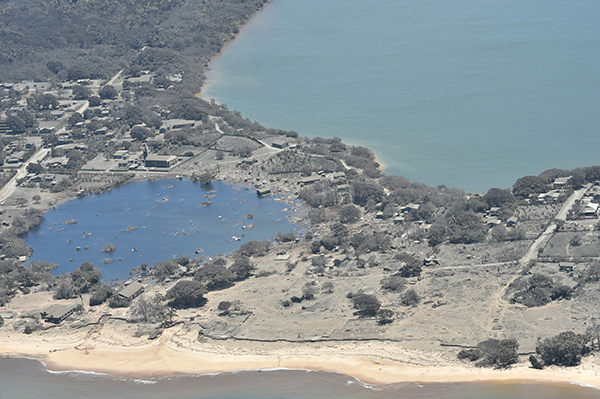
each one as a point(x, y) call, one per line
point(115, 351)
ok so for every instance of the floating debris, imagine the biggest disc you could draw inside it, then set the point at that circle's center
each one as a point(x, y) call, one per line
point(78, 248)
point(70, 221)
point(170, 186)
point(236, 238)
point(86, 247)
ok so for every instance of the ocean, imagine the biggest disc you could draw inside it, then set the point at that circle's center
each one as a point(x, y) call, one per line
point(28, 379)
point(466, 93)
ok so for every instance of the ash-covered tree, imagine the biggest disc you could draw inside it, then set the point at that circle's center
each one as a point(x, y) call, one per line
point(241, 268)
point(108, 92)
point(140, 133)
point(564, 349)
point(349, 214)
point(493, 353)
point(187, 294)
point(147, 309)
point(215, 275)
point(81, 92)
point(165, 269)
point(101, 295)
point(367, 305)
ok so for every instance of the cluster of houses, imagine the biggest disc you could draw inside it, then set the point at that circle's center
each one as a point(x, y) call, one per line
point(58, 313)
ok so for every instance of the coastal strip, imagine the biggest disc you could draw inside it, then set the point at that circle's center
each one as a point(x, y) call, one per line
point(175, 354)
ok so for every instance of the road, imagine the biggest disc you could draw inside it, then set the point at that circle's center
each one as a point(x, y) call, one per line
point(551, 229)
point(9, 188)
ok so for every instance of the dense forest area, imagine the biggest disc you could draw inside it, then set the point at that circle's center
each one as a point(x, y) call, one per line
point(93, 38)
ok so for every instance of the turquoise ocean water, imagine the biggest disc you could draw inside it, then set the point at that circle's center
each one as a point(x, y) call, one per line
point(467, 93)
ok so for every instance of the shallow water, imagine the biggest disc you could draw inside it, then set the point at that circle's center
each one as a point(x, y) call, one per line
point(20, 378)
point(468, 93)
point(163, 223)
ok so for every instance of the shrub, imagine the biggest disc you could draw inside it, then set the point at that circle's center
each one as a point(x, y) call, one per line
point(392, 283)
point(471, 354)
point(385, 316)
point(410, 298)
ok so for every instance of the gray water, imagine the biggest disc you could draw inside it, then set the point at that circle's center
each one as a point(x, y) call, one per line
point(468, 93)
point(21, 378)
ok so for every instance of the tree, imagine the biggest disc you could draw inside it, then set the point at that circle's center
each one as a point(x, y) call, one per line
point(140, 133)
point(75, 119)
point(54, 66)
point(35, 168)
point(94, 101)
point(219, 155)
point(147, 309)
point(64, 290)
point(349, 214)
point(499, 353)
point(498, 197)
point(363, 191)
point(367, 305)
point(205, 178)
point(241, 268)
point(21, 202)
point(45, 101)
point(101, 295)
point(187, 294)
point(16, 124)
point(529, 185)
point(564, 349)
point(108, 92)
point(81, 92)
point(1, 321)
point(77, 72)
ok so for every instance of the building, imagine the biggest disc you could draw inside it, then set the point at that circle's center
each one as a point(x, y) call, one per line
point(566, 266)
point(263, 192)
point(160, 161)
point(512, 221)
point(132, 290)
point(57, 313)
point(562, 182)
point(279, 143)
point(309, 180)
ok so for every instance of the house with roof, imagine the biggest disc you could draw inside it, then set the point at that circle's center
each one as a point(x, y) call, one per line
point(131, 291)
point(57, 313)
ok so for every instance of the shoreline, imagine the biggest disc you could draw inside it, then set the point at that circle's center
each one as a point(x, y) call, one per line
point(169, 355)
